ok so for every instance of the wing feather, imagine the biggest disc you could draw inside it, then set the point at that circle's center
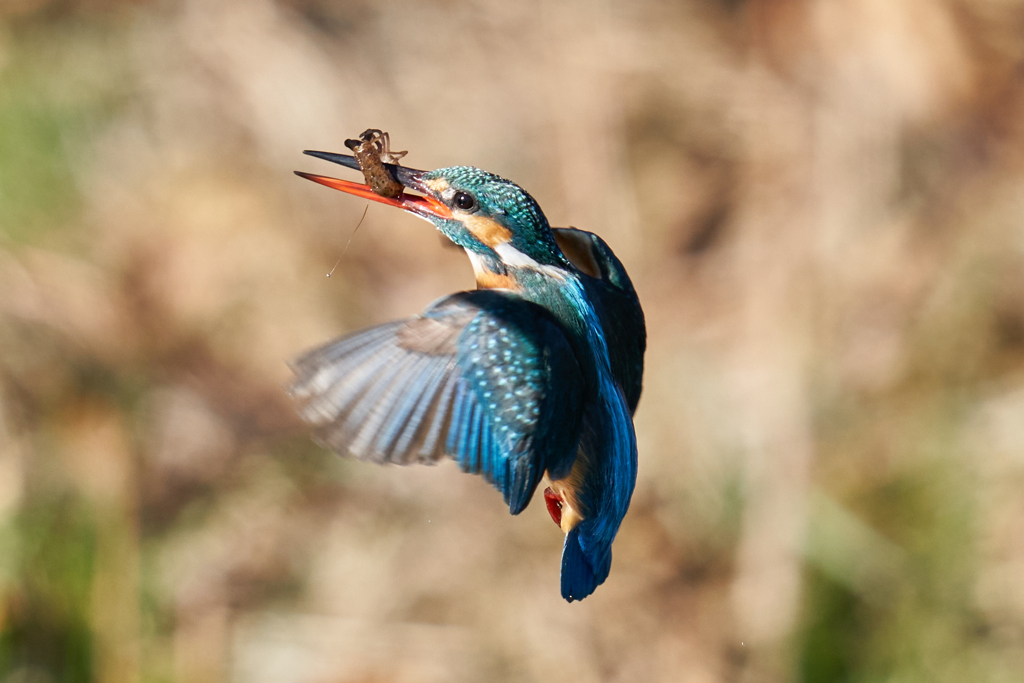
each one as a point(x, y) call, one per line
point(414, 420)
point(464, 379)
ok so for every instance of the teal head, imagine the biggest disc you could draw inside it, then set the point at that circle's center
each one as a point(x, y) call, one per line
point(501, 227)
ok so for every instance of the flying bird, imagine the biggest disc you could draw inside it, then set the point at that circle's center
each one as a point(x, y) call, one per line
point(536, 372)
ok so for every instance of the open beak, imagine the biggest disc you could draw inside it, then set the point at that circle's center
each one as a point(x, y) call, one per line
point(425, 207)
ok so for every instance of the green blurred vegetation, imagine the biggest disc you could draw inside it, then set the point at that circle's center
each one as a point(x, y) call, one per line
point(60, 79)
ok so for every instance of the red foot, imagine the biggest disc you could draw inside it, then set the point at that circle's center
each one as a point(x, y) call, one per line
point(554, 503)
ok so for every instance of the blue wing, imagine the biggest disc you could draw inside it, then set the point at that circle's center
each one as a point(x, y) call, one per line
point(483, 377)
point(618, 306)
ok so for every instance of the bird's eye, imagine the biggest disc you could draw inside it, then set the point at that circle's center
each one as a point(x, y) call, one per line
point(464, 201)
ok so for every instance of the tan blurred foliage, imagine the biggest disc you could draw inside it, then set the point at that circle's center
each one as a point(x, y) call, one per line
point(821, 204)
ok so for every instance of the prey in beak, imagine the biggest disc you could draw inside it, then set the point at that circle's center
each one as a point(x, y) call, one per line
point(410, 179)
point(372, 149)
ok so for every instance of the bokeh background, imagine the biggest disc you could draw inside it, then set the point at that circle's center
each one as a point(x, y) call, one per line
point(821, 203)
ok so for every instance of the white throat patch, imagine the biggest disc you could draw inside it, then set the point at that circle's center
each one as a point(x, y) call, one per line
point(477, 261)
point(513, 257)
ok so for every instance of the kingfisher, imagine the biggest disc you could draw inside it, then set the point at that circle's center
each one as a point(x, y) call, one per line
point(535, 373)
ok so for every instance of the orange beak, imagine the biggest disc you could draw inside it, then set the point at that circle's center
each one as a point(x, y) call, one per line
point(423, 206)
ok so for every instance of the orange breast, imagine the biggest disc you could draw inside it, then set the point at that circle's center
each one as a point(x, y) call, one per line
point(485, 279)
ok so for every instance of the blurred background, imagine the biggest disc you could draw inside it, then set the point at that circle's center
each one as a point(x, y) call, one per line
point(821, 203)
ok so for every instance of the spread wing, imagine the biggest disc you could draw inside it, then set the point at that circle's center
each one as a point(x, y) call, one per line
point(483, 377)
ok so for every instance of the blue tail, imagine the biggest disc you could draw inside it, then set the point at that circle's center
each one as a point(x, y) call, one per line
point(580, 576)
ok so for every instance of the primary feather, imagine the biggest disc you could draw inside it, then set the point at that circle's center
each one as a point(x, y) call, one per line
point(482, 377)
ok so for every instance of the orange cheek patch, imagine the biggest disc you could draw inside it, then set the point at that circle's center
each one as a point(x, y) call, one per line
point(486, 230)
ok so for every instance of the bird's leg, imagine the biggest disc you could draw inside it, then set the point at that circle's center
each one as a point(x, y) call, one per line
point(553, 501)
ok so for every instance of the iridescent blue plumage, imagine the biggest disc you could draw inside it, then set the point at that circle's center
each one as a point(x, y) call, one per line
point(483, 377)
point(537, 372)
